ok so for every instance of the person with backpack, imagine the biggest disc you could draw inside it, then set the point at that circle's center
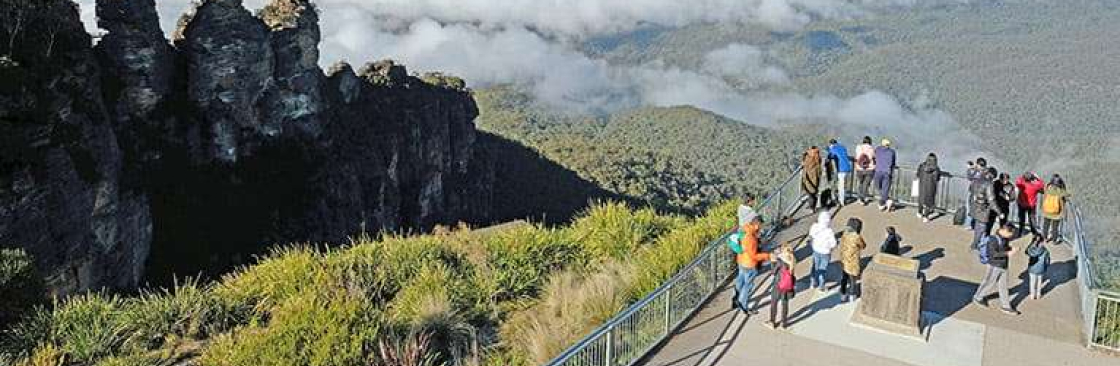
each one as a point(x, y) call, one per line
point(984, 210)
point(995, 252)
point(749, 258)
point(1005, 194)
point(865, 169)
point(838, 154)
point(1029, 186)
point(851, 245)
point(823, 240)
point(929, 177)
point(785, 287)
point(811, 165)
point(884, 172)
point(893, 243)
point(1053, 209)
point(1038, 262)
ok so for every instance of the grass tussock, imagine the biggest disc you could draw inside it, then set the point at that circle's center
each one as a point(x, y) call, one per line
point(456, 297)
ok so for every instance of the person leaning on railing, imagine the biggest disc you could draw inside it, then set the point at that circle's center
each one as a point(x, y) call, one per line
point(1053, 207)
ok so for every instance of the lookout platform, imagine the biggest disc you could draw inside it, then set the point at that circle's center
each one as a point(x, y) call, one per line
point(958, 332)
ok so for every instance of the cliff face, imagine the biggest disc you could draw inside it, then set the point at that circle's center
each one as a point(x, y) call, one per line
point(209, 150)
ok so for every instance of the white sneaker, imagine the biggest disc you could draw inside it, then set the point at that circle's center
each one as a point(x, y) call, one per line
point(926, 220)
point(919, 215)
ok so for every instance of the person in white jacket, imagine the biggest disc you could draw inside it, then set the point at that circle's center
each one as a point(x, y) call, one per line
point(823, 240)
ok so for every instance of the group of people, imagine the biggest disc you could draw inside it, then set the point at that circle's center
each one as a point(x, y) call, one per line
point(871, 165)
point(991, 195)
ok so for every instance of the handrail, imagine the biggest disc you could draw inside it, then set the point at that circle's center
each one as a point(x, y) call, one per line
point(952, 194)
point(774, 198)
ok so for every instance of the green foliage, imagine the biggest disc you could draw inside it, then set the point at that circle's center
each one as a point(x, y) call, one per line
point(20, 286)
point(511, 296)
point(315, 329)
point(678, 159)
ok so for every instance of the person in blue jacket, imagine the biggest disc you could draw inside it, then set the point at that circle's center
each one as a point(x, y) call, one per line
point(843, 163)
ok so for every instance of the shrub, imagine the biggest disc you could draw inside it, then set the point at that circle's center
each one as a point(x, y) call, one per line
point(613, 230)
point(188, 312)
point(283, 274)
point(312, 329)
point(20, 286)
point(521, 259)
point(83, 329)
point(573, 304)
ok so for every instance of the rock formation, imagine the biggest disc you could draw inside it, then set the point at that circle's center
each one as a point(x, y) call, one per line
point(209, 150)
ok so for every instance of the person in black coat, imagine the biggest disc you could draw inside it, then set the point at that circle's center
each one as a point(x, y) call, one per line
point(929, 176)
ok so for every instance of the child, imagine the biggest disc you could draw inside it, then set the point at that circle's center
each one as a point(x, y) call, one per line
point(785, 285)
point(1038, 263)
point(892, 243)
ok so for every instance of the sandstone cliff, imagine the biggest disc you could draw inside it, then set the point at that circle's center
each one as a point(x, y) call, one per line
point(207, 150)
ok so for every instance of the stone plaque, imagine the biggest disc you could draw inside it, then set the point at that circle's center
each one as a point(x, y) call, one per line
point(892, 296)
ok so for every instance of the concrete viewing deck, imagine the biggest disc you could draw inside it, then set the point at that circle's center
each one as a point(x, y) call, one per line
point(958, 332)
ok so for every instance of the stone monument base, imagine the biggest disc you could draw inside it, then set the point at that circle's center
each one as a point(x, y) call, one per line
point(891, 298)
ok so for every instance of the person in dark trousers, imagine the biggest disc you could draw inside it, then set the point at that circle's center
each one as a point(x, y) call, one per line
point(851, 245)
point(999, 250)
point(1053, 209)
point(893, 243)
point(811, 167)
point(865, 169)
point(975, 172)
point(1038, 262)
point(784, 287)
point(984, 210)
point(929, 176)
point(1005, 194)
point(884, 172)
point(1029, 186)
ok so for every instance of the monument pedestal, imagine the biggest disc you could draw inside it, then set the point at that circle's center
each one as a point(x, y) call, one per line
point(891, 298)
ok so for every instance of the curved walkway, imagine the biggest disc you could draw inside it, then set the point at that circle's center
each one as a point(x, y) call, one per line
point(961, 333)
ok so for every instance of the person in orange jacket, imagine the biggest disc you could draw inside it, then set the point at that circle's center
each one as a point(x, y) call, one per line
point(748, 260)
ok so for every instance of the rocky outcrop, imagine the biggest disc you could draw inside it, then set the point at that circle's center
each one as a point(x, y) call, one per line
point(64, 192)
point(231, 140)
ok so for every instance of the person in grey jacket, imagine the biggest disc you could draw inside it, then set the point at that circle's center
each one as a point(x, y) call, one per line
point(985, 212)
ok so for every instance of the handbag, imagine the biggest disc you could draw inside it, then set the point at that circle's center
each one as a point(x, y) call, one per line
point(915, 188)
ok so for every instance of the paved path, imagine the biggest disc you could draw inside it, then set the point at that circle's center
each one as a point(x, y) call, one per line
point(962, 334)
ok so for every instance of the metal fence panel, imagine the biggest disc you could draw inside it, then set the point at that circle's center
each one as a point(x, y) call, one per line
point(630, 335)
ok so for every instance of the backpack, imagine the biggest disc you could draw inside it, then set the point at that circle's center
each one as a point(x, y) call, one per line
point(983, 249)
point(864, 161)
point(733, 243)
point(1052, 204)
point(785, 279)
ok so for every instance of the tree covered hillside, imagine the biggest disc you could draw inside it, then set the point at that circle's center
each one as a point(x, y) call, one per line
point(680, 159)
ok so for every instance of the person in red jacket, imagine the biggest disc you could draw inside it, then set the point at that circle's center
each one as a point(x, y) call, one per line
point(1029, 187)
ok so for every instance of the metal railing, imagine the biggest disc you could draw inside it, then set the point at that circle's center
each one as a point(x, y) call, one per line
point(630, 335)
point(634, 332)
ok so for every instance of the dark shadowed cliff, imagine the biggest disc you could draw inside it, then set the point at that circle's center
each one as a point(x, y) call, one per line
point(193, 154)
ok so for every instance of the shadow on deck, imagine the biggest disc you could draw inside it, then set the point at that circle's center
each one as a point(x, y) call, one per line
point(960, 333)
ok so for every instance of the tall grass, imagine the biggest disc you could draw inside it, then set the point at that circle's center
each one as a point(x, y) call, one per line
point(512, 297)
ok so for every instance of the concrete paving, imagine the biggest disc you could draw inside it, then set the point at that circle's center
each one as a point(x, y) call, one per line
point(960, 333)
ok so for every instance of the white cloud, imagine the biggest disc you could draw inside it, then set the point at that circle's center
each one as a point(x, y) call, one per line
point(529, 42)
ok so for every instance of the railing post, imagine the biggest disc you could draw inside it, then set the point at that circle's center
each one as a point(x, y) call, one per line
point(668, 309)
point(608, 356)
